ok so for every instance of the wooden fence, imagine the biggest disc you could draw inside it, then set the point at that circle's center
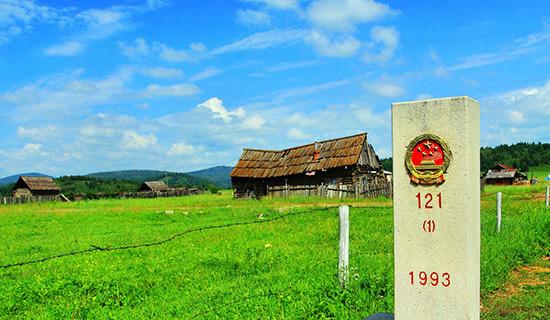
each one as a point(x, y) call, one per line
point(176, 192)
point(31, 199)
point(330, 191)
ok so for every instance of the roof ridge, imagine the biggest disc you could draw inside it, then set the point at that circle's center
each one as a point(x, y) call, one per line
point(308, 144)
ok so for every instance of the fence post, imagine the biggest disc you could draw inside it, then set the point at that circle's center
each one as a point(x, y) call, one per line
point(499, 210)
point(547, 196)
point(343, 257)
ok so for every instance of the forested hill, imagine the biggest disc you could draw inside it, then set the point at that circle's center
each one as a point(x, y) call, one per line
point(175, 179)
point(219, 175)
point(520, 155)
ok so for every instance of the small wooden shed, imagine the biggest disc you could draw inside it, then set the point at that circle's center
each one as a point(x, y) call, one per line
point(502, 174)
point(342, 167)
point(35, 186)
point(155, 186)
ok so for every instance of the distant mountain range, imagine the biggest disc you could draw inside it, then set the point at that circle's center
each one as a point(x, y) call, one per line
point(217, 176)
point(14, 178)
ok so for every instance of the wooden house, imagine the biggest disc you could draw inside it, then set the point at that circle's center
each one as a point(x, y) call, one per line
point(35, 186)
point(343, 167)
point(502, 174)
point(155, 186)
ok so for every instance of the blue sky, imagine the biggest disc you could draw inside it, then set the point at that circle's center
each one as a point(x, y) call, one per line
point(182, 85)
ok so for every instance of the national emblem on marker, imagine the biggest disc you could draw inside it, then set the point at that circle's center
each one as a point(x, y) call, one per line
point(427, 159)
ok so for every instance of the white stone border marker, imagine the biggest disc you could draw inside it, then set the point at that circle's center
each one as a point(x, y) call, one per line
point(436, 209)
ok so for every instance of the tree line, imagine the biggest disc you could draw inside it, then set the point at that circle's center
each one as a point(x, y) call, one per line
point(92, 186)
point(522, 156)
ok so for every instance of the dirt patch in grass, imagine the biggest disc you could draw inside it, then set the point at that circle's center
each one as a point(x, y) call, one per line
point(526, 293)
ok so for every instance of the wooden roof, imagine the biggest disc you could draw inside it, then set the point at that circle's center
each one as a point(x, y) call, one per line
point(501, 166)
point(332, 154)
point(154, 186)
point(36, 183)
point(503, 171)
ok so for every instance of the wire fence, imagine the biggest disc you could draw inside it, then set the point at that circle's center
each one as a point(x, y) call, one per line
point(269, 291)
point(94, 248)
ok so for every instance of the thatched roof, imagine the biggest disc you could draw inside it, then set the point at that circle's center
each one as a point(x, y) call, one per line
point(154, 186)
point(333, 153)
point(36, 183)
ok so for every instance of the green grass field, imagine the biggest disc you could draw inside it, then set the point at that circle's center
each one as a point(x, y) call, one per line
point(280, 269)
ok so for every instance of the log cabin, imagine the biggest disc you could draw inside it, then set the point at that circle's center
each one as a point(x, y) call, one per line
point(35, 186)
point(336, 168)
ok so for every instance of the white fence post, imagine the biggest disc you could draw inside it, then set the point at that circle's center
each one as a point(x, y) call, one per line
point(499, 210)
point(343, 257)
point(547, 196)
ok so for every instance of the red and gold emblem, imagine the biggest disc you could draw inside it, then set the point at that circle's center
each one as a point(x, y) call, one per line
point(427, 159)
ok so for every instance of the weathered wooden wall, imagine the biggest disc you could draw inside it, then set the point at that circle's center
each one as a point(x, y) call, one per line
point(29, 199)
point(342, 182)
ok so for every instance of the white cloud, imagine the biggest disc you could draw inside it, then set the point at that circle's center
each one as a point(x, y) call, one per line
point(53, 96)
point(385, 40)
point(140, 48)
point(197, 51)
point(343, 15)
point(220, 112)
point(516, 116)
point(424, 96)
point(297, 134)
point(209, 72)
point(441, 72)
point(367, 116)
point(71, 48)
point(261, 40)
point(341, 48)
point(250, 17)
point(278, 4)
point(38, 133)
point(18, 16)
point(180, 149)
point(133, 140)
point(527, 110)
point(534, 38)
point(97, 131)
point(103, 23)
point(110, 141)
point(484, 59)
point(175, 90)
point(255, 122)
point(280, 96)
point(173, 55)
point(291, 65)
point(385, 89)
point(31, 148)
point(162, 73)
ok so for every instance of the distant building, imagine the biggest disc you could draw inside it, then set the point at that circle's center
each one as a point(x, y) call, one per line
point(156, 186)
point(343, 167)
point(35, 186)
point(502, 174)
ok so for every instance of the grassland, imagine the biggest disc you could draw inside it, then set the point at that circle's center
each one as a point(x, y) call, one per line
point(285, 268)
